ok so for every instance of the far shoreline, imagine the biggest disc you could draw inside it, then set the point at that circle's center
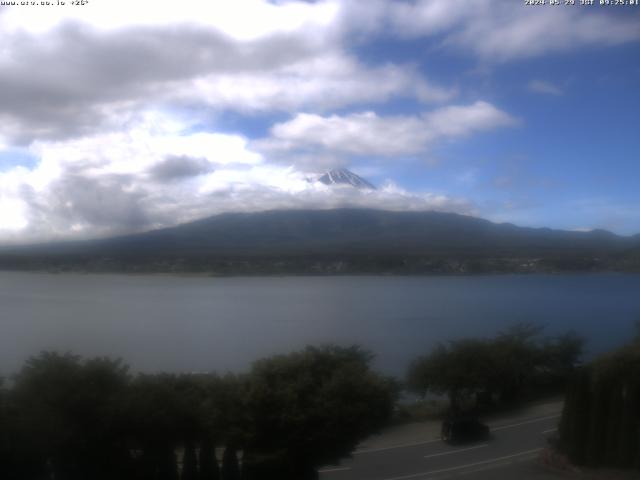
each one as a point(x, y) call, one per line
point(266, 275)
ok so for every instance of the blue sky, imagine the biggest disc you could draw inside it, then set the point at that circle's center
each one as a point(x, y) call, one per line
point(120, 119)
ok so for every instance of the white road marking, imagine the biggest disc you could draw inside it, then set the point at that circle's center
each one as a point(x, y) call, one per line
point(337, 469)
point(393, 447)
point(456, 451)
point(550, 430)
point(461, 467)
point(503, 427)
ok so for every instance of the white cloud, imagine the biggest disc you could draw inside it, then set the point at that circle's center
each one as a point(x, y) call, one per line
point(12, 214)
point(240, 19)
point(370, 134)
point(98, 63)
point(544, 87)
point(505, 30)
point(326, 81)
point(154, 173)
point(429, 17)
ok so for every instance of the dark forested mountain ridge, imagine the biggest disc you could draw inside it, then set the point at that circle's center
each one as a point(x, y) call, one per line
point(339, 241)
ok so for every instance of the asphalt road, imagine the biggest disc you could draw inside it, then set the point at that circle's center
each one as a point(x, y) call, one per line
point(509, 454)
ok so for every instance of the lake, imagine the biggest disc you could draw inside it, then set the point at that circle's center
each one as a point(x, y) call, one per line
point(202, 324)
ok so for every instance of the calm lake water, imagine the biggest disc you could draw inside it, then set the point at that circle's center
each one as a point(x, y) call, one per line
point(203, 324)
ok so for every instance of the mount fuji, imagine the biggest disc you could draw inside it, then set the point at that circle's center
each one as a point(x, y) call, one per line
point(342, 176)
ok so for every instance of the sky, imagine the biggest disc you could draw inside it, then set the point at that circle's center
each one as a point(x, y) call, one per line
point(123, 116)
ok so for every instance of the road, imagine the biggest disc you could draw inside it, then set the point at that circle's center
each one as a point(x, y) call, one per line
point(509, 454)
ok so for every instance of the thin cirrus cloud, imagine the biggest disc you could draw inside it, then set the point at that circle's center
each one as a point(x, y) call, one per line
point(543, 87)
point(503, 30)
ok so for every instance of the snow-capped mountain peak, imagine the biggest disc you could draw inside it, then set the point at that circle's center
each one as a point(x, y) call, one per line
point(342, 176)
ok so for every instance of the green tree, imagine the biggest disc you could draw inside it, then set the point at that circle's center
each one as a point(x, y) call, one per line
point(209, 469)
point(609, 410)
point(473, 371)
point(162, 414)
point(518, 355)
point(462, 370)
point(574, 424)
point(559, 356)
point(189, 462)
point(230, 465)
point(312, 407)
point(224, 415)
point(68, 409)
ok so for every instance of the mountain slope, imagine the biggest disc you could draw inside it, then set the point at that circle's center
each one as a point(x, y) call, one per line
point(308, 241)
point(291, 231)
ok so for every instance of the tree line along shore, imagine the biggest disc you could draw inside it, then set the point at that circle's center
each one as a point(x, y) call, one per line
point(69, 418)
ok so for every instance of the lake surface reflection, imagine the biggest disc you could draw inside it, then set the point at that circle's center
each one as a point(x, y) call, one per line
point(203, 324)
